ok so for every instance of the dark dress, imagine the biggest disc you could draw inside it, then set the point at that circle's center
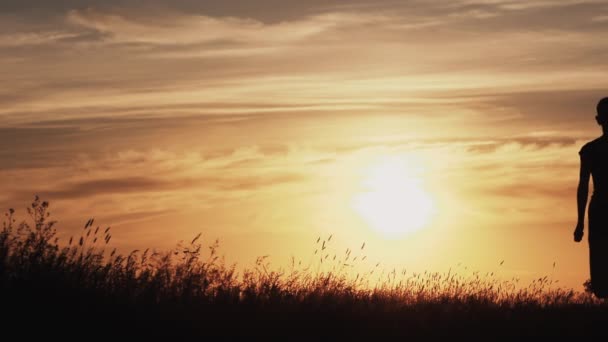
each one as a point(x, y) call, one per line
point(594, 156)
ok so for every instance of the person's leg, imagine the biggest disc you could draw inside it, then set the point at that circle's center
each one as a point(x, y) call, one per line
point(598, 247)
point(598, 264)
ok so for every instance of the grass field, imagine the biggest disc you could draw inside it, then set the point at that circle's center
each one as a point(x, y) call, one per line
point(189, 292)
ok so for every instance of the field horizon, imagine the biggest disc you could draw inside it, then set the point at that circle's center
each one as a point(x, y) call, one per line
point(195, 293)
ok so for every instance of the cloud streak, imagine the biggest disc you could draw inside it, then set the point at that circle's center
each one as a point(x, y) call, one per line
point(99, 59)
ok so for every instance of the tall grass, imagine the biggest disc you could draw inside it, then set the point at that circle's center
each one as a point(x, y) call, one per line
point(84, 277)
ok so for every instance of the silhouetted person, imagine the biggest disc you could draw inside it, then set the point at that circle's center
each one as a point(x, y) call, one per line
point(594, 163)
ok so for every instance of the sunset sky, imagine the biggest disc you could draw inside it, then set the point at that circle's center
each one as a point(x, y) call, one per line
point(269, 123)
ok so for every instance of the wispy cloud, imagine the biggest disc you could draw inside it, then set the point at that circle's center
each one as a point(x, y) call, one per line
point(184, 29)
point(600, 18)
point(186, 58)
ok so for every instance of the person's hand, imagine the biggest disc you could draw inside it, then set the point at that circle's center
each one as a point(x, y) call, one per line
point(578, 232)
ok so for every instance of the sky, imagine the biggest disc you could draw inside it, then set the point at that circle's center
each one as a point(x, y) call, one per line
point(261, 123)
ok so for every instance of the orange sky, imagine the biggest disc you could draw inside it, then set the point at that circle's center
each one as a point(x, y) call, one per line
point(258, 124)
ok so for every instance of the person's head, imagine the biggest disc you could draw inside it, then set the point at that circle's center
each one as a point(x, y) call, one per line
point(602, 112)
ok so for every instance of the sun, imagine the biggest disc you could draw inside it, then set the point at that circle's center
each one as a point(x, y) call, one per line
point(394, 202)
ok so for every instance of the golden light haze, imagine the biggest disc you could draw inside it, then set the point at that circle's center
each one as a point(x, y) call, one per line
point(260, 125)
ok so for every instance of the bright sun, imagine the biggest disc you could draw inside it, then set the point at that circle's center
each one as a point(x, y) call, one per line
point(394, 203)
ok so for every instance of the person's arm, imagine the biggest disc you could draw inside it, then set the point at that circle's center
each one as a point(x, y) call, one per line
point(582, 196)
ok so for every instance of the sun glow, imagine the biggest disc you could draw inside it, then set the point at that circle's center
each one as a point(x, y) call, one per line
point(394, 202)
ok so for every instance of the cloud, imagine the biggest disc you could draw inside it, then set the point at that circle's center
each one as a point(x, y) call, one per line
point(131, 172)
point(600, 18)
point(519, 6)
point(32, 38)
point(125, 25)
point(100, 187)
point(141, 185)
point(536, 143)
point(174, 29)
point(186, 58)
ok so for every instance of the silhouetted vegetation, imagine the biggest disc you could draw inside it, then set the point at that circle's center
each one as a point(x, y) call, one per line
point(191, 292)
